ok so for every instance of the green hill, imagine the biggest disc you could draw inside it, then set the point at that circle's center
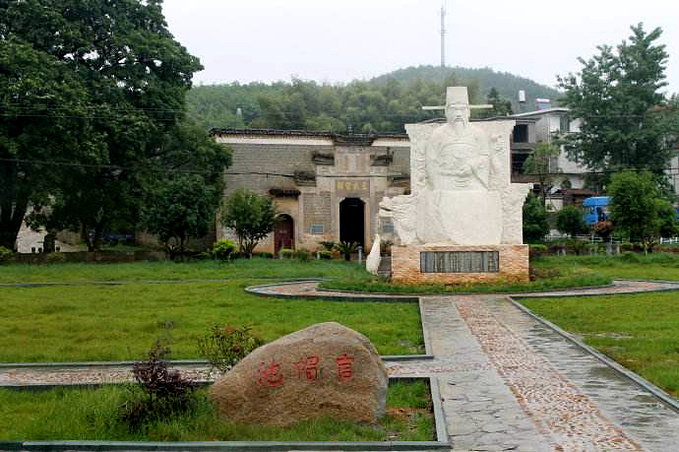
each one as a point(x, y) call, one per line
point(383, 104)
point(508, 85)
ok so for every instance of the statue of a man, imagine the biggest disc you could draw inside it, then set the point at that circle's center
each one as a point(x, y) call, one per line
point(459, 154)
point(460, 184)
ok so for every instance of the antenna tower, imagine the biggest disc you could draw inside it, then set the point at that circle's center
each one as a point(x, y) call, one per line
point(443, 33)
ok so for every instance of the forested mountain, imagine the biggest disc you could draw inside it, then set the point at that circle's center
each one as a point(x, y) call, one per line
point(383, 104)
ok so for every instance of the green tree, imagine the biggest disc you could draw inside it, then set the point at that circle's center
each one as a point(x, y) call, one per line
point(540, 165)
point(250, 216)
point(569, 220)
point(617, 94)
point(667, 216)
point(535, 224)
point(182, 207)
point(501, 106)
point(36, 89)
point(132, 77)
point(636, 206)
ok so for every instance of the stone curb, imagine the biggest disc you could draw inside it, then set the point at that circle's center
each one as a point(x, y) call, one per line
point(555, 294)
point(255, 290)
point(147, 281)
point(639, 380)
point(223, 446)
point(187, 362)
point(455, 294)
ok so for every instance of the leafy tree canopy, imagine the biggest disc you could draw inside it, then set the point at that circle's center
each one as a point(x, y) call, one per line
point(182, 207)
point(535, 224)
point(636, 205)
point(617, 94)
point(124, 84)
point(250, 216)
point(569, 220)
point(383, 104)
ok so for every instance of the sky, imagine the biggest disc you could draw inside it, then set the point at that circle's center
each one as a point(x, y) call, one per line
point(339, 41)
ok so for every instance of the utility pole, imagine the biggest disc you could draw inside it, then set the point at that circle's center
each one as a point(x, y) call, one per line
point(443, 34)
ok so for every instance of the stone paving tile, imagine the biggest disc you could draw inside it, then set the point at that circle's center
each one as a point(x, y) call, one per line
point(643, 417)
point(552, 402)
point(481, 411)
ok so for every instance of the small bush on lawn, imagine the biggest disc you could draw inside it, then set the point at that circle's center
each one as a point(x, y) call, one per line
point(286, 253)
point(266, 255)
point(224, 346)
point(55, 258)
point(303, 255)
point(5, 255)
point(325, 254)
point(537, 250)
point(328, 245)
point(346, 248)
point(224, 249)
point(164, 392)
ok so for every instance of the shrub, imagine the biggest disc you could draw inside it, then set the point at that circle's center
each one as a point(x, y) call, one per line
point(286, 253)
point(385, 247)
point(303, 255)
point(570, 221)
point(224, 346)
point(251, 217)
point(346, 248)
point(577, 246)
point(224, 249)
point(535, 224)
point(537, 250)
point(55, 258)
point(626, 246)
point(204, 256)
point(604, 229)
point(165, 393)
point(328, 245)
point(266, 255)
point(557, 249)
point(5, 255)
point(325, 254)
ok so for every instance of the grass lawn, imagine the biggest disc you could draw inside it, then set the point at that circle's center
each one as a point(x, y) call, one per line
point(257, 268)
point(655, 266)
point(121, 322)
point(641, 332)
point(550, 275)
point(80, 414)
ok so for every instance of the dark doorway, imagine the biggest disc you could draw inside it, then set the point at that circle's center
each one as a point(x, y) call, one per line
point(352, 221)
point(284, 233)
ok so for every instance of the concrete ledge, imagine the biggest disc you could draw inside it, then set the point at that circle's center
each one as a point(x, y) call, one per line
point(223, 446)
point(661, 395)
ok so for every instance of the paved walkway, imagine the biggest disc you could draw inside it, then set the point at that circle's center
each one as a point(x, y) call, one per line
point(507, 381)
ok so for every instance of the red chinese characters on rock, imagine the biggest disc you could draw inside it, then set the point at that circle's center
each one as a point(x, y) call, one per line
point(308, 368)
point(345, 370)
point(270, 375)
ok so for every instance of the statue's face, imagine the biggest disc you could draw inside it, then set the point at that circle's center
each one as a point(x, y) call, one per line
point(457, 113)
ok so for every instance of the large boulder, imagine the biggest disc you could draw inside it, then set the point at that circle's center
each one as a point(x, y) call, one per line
point(326, 370)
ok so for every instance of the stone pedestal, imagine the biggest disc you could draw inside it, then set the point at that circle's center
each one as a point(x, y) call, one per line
point(454, 264)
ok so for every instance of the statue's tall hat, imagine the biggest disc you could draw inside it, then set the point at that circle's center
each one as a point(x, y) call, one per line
point(457, 95)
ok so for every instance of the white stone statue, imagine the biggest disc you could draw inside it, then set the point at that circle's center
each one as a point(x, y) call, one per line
point(461, 192)
point(372, 262)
